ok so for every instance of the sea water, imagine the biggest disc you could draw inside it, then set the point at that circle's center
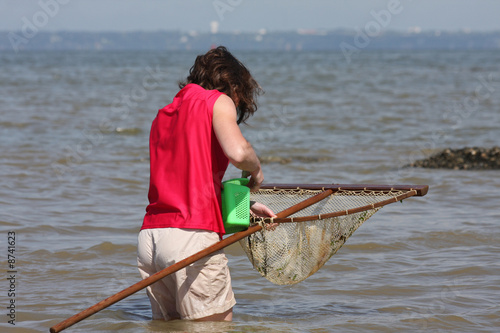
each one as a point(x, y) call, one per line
point(74, 179)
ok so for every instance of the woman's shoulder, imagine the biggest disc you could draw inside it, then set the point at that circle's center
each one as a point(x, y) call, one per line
point(196, 88)
point(195, 91)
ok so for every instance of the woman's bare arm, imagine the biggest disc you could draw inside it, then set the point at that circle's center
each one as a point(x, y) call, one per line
point(238, 150)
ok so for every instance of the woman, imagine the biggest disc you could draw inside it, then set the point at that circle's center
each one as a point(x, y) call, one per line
point(192, 141)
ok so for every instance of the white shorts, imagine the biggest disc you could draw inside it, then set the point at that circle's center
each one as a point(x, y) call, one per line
point(199, 290)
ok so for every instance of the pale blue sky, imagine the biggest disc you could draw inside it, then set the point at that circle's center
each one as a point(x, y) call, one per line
point(247, 15)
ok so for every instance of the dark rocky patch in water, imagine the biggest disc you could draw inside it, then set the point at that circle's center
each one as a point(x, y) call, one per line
point(463, 159)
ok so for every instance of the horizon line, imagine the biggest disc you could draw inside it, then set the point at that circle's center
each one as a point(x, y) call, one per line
point(313, 32)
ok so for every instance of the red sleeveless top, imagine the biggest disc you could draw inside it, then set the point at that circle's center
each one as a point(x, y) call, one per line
point(187, 164)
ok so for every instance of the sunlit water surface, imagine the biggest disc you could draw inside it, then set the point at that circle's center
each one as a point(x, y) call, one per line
point(74, 179)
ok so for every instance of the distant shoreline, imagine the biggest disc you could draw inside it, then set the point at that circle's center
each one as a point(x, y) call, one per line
point(348, 42)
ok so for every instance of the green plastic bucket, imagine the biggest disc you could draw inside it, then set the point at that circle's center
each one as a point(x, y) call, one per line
point(235, 205)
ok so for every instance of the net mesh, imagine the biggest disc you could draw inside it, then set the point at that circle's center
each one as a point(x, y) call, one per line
point(287, 253)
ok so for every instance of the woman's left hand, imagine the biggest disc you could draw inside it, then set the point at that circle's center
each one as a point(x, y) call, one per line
point(260, 210)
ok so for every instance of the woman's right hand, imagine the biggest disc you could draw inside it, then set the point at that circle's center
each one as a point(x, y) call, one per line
point(256, 179)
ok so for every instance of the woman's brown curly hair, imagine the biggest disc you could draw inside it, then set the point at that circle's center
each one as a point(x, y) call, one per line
point(219, 69)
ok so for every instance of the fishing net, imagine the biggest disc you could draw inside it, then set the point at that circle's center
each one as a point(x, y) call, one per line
point(288, 250)
point(312, 223)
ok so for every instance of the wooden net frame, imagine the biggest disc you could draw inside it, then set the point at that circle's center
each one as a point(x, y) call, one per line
point(393, 193)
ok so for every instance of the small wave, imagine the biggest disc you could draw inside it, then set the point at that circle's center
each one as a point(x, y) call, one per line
point(110, 248)
point(128, 131)
point(446, 239)
point(10, 124)
point(290, 159)
point(379, 247)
